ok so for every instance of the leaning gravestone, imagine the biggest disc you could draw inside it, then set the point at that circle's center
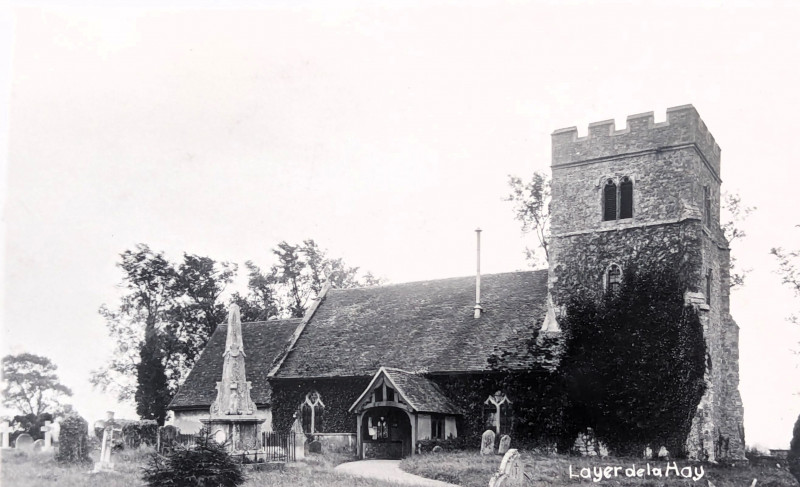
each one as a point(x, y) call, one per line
point(487, 443)
point(505, 444)
point(38, 445)
point(511, 472)
point(24, 442)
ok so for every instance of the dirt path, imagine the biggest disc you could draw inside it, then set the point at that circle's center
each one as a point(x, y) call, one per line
point(388, 470)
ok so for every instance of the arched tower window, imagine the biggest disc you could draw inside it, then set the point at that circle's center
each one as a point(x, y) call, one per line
point(613, 278)
point(610, 201)
point(626, 198)
point(707, 206)
point(313, 413)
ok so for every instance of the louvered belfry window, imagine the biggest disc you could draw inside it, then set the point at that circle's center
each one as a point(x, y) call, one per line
point(610, 201)
point(613, 278)
point(626, 198)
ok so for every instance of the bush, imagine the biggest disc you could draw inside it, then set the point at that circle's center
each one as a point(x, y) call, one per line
point(793, 459)
point(73, 441)
point(450, 444)
point(140, 433)
point(206, 465)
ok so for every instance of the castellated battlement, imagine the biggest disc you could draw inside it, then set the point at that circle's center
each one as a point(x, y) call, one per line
point(683, 127)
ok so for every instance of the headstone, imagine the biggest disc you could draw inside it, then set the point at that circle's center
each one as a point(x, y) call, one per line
point(436, 449)
point(24, 442)
point(663, 454)
point(38, 445)
point(5, 431)
point(511, 472)
point(73, 441)
point(487, 443)
point(315, 447)
point(48, 435)
point(105, 464)
point(648, 453)
point(505, 444)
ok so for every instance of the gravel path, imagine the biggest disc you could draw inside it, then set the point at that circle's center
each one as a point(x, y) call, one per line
point(387, 470)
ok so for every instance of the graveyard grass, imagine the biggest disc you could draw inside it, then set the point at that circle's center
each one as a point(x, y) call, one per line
point(471, 469)
point(21, 469)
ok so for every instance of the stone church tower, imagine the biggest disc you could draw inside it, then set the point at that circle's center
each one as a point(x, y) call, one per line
point(651, 192)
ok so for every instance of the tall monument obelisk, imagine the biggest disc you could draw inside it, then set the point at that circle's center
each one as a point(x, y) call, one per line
point(233, 413)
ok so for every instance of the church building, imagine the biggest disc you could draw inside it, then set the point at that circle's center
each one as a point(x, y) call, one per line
point(380, 370)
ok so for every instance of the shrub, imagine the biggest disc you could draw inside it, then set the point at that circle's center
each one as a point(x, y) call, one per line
point(73, 441)
point(793, 458)
point(140, 433)
point(450, 444)
point(206, 465)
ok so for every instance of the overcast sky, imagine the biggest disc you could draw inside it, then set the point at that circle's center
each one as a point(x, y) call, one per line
point(384, 131)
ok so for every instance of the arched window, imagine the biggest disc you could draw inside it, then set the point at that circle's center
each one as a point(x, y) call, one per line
point(610, 201)
point(498, 413)
point(626, 198)
point(313, 410)
point(613, 278)
point(707, 206)
point(709, 282)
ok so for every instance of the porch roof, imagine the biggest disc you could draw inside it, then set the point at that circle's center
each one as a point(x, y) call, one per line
point(420, 393)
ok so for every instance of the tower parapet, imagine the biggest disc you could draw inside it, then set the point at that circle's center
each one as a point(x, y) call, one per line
point(683, 127)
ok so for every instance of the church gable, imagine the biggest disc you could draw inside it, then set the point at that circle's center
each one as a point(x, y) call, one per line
point(263, 341)
point(405, 390)
point(424, 326)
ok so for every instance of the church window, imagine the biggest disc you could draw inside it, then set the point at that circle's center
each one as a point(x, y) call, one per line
point(626, 198)
point(610, 201)
point(437, 427)
point(613, 280)
point(707, 205)
point(313, 412)
point(498, 413)
point(709, 281)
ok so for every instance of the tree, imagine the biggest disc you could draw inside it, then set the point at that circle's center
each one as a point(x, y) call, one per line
point(303, 268)
point(634, 363)
point(794, 451)
point(164, 320)
point(789, 270)
point(31, 385)
point(532, 209)
point(734, 212)
point(262, 302)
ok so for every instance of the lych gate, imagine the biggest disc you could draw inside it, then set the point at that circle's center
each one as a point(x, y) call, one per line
point(396, 410)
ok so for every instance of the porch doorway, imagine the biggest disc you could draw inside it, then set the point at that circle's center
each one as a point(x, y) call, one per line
point(386, 433)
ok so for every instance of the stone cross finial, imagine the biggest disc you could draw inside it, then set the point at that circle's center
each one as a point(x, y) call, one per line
point(48, 434)
point(5, 431)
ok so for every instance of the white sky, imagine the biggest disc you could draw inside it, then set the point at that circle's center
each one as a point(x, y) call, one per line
point(386, 132)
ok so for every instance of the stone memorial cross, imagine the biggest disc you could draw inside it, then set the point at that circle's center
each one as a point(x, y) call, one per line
point(48, 435)
point(5, 430)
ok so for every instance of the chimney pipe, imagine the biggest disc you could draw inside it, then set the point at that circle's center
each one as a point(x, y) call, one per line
point(478, 308)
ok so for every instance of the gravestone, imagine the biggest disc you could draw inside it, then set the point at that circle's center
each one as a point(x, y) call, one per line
point(315, 447)
point(505, 444)
point(5, 431)
point(47, 429)
point(663, 454)
point(38, 445)
point(511, 472)
point(105, 464)
point(487, 443)
point(648, 453)
point(24, 442)
point(436, 449)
